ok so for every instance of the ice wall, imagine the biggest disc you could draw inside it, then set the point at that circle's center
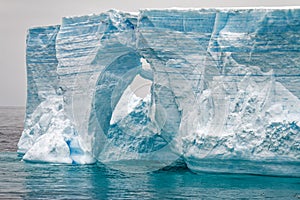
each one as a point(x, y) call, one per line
point(223, 90)
point(42, 82)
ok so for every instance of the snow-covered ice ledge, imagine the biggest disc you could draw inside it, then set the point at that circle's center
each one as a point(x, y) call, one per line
point(209, 86)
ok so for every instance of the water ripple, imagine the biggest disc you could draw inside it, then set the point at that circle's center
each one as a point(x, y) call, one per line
point(20, 180)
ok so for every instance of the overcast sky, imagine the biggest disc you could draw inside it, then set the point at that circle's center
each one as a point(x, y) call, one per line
point(16, 16)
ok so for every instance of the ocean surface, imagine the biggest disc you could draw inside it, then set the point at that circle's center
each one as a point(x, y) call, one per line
point(21, 180)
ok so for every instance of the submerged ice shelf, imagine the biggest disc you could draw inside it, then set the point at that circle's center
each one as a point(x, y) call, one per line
point(217, 88)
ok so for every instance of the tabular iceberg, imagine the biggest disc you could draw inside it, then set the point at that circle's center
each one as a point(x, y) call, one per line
point(217, 88)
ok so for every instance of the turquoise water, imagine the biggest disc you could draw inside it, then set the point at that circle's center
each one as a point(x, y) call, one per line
point(21, 180)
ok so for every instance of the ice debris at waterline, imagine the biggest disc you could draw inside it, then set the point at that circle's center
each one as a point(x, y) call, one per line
point(217, 88)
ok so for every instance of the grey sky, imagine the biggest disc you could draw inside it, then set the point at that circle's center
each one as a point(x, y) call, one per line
point(16, 16)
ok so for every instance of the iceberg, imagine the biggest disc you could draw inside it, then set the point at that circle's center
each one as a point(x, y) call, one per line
point(216, 89)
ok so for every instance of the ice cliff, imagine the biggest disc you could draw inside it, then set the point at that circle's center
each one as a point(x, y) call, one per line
point(217, 88)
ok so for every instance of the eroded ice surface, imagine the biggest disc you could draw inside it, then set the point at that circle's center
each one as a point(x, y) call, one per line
point(221, 90)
